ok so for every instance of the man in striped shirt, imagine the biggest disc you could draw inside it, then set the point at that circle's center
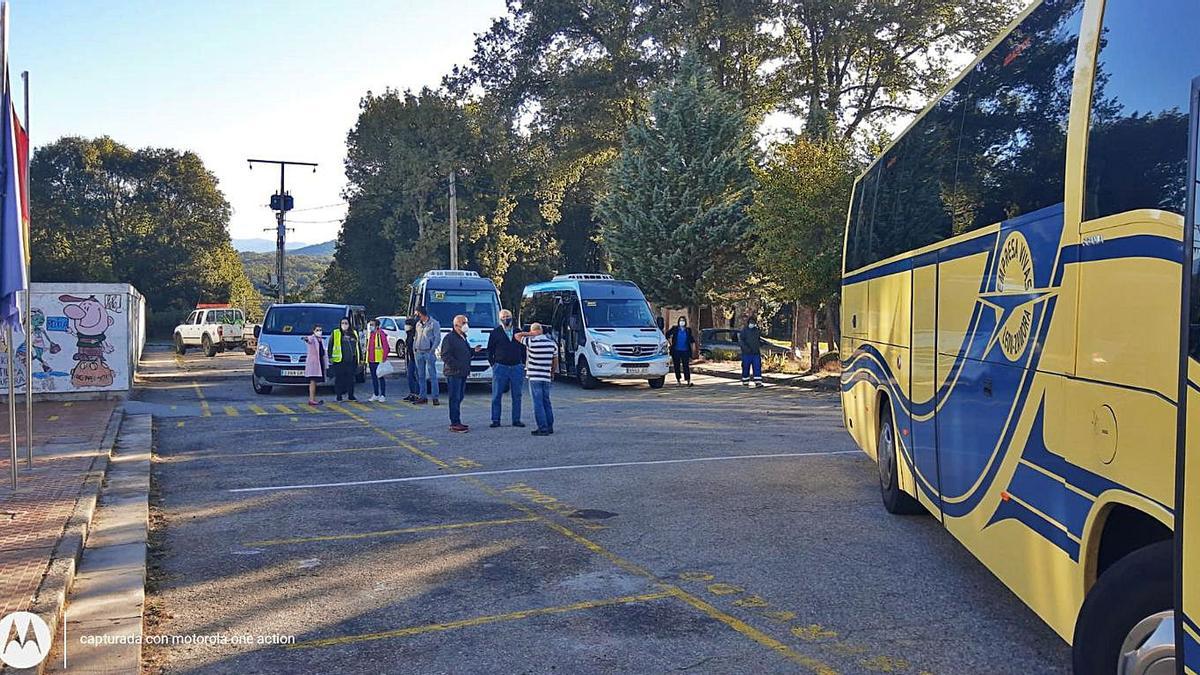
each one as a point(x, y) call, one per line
point(541, 362)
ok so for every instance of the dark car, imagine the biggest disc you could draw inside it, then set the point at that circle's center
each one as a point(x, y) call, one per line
point(726, 339)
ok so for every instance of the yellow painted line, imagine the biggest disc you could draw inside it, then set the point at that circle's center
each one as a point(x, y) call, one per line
point(53, 418)
point(477, 621)
point(279, 453)
point(205, 411)
point(257, 410)
point(178, 425)
point(386, 406)
point(392, 437)
point(294, 419)
point(359, 406)
point(388, 533)
point(812, 664)
point(284, 409)
point(231, 411)
point(337, 407)
point(68, 404)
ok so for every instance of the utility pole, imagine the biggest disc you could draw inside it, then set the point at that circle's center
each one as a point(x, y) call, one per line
point(281, 203)
point(453, 225)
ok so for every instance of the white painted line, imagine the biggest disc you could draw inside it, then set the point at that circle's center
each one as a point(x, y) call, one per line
point(539, 469)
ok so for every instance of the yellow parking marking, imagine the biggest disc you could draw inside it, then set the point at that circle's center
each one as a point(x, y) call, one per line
point(231, 411)
point(257, 410)
point(205, 411)
point(478, 621)
point(278, 453)
point(294, 419)
point(68, 404)
point(388, 533)
point(284, 409)
point(178, 425)
point(53, 418)
point(359, 406)
point(338, 408)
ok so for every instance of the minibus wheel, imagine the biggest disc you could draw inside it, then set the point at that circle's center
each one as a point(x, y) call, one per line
point(657, 382)
point(259, 388)
point(895, 500)
point(1126, 624)
point(585, 376)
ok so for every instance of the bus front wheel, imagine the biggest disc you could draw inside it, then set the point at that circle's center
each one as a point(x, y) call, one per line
point(895, 500)
point(585, 376)
point(1126, 624)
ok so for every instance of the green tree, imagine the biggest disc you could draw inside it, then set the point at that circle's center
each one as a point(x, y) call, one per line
point(676, 211)
point(799, 214)
point(153, 217)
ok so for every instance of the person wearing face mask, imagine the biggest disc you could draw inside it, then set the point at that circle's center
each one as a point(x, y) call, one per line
point(456, 365)
point(683, 345)
point(345, 353)
point(750, 340)
point(314, 363)
point(377, 353)
point(507, 357)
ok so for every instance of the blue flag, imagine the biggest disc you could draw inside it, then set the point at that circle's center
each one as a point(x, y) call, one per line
point(12, 234)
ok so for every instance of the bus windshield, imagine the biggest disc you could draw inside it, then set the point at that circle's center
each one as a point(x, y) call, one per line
point(300, 320)
point(481, 307)
point(617, 313)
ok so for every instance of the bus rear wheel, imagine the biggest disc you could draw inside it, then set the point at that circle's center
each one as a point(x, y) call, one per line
point(1126, 624)
point(895, 500)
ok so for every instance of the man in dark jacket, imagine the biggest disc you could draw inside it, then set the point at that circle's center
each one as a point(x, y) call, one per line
point(456, 366)
point(507, 357)
point(410, 360)
point(750, 340)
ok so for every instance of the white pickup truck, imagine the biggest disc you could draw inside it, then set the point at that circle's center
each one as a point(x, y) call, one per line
point(212, 328)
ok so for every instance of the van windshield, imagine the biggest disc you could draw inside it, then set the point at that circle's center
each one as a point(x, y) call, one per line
point(300, 320)
point(617, 313)
point(482, 308)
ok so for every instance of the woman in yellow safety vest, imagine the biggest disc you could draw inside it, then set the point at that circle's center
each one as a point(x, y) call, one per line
point(345, 353)
point(377, 353)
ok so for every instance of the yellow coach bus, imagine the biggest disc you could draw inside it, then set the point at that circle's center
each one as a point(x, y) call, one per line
point(1014, 350)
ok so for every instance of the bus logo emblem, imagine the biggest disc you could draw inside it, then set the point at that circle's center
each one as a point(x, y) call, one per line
point(1014, 296)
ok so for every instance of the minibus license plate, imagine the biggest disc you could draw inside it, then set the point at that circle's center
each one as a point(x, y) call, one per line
point(292, 373)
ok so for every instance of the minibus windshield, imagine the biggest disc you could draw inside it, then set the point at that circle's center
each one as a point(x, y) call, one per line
point(481, 307)
point(617, 313)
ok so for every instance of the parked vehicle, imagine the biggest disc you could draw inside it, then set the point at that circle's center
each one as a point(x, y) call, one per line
point(604, 328)
point(250, 337)
point(726, 340)
point(281, 352)
point(448, 293)
point(213, 328)
point(394, 327)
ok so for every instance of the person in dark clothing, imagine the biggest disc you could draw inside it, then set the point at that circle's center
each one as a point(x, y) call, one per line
point(410, 360)
point(683, 346)
point(750, 341)
point(507, 357)
point(345, 353)
point(456, 365)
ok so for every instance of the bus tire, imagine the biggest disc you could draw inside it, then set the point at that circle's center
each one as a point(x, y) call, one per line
point(895, 500)
point(1132, 590)
point(261, 389)
point(209, 349)
point(585, 375)
point(657, 383)
point(180, 348)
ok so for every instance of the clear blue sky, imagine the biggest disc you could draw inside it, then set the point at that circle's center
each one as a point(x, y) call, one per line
point(233, 79)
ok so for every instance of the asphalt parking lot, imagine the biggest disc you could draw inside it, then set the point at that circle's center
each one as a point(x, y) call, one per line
point(714, 529)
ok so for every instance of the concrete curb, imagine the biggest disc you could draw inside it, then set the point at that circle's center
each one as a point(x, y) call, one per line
point(828, 384)
point(50, 599)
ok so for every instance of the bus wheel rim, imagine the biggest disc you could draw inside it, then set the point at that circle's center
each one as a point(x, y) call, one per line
point(1149, 648)
point(887, 455)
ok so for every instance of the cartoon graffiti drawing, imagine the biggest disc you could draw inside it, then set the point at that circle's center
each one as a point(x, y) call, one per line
point(42, 342)
point(17, 370)
point(90, 321)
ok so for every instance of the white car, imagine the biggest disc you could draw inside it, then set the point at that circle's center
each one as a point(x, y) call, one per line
point(213, 329)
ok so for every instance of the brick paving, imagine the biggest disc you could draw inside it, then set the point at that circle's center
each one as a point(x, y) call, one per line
point(67, 439)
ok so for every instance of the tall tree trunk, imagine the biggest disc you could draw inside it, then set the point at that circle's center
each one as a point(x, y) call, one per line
point(832, 327)
point(814, 350)
point(797, 330)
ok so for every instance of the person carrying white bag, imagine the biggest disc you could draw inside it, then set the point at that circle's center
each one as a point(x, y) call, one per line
point(377, 360)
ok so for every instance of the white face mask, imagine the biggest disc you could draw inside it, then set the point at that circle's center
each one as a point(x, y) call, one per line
point(465, 328)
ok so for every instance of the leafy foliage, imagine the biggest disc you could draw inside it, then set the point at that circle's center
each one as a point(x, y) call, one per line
point(676, 213)
point(304, 273)
point(153, 217)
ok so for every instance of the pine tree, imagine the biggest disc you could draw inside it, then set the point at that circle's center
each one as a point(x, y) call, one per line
point(676, 212)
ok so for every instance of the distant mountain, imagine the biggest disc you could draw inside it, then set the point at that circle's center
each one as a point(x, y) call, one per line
point(319, 250)
point(264, 245)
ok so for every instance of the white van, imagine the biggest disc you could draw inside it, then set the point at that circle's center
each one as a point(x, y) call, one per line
point(281, 353)
point(604, 328)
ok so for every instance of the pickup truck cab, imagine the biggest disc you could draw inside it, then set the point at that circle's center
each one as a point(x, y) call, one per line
point(213, 328)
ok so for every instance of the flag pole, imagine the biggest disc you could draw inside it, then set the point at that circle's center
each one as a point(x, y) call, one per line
point(12, 397)
point(26, 227)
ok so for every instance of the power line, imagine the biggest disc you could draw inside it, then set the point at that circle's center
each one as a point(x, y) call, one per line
point(323, 206)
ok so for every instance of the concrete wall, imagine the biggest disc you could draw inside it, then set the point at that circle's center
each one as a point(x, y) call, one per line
point(87, 338)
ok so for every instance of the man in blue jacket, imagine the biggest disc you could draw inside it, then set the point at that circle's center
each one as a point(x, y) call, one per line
point(507, 357)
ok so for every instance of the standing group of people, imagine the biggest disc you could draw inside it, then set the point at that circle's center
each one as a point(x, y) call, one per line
point(685, 346)
point(342, 357)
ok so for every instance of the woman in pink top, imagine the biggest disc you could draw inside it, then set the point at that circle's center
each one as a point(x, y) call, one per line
point(377, 353)
point(314, 363)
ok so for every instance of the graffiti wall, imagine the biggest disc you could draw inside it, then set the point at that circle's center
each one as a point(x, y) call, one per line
point(83, 337)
